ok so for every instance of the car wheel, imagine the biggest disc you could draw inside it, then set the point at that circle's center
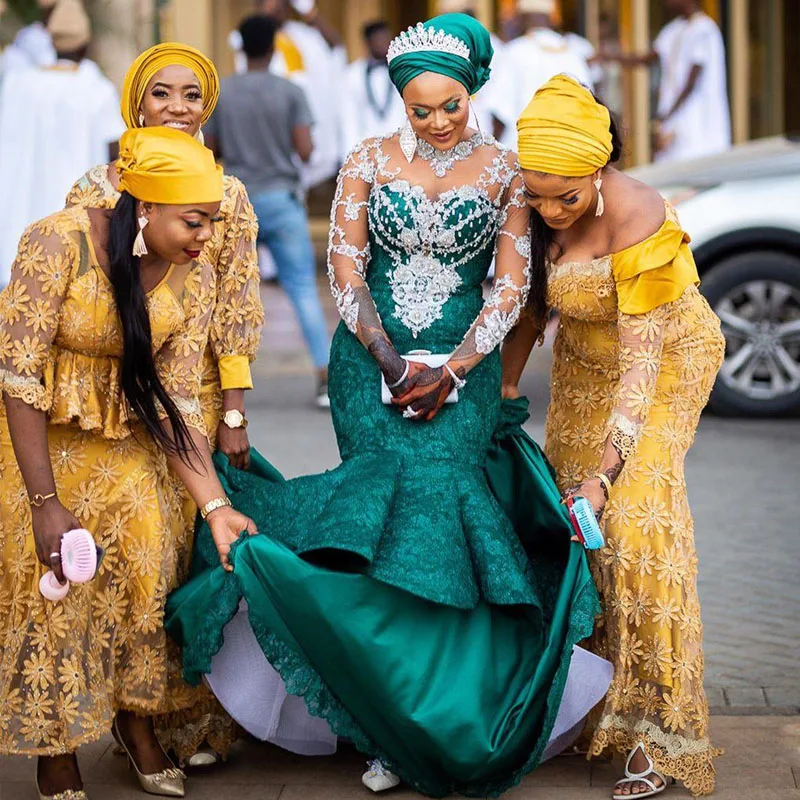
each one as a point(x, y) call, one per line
point(757, 297)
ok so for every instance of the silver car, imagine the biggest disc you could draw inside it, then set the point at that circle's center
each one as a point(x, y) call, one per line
point(742, 210)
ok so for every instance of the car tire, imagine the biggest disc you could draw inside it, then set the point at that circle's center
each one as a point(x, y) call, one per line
point(720, 280)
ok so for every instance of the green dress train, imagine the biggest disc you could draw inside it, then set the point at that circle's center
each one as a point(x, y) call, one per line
point(393, 593)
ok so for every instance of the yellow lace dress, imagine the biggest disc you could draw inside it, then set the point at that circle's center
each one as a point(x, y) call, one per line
point(65, 667)
point(232, 345)
point(635, 357)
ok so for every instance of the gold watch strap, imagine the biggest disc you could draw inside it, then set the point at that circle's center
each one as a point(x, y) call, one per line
point(213, 505)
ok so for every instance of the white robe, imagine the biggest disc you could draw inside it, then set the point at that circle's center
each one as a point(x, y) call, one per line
point(32, 47)
point(54, 125)
point(374, 112)
point(526, 64)
point(323, 72)
point(702, 125)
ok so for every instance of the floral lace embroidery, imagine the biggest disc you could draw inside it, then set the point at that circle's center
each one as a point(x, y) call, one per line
point(29, 390)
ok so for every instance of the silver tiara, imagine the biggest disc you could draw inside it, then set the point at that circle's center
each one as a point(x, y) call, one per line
point(420, 39)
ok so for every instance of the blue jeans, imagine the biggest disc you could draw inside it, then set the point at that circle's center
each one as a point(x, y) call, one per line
point(283, 228)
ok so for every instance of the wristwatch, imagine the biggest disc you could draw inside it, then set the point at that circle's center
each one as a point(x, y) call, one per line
point(234, 418)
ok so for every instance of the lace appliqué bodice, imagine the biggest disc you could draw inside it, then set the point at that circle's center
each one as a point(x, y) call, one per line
point(430, 219)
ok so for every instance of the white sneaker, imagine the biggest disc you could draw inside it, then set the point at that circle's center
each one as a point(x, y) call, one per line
point(377, 778)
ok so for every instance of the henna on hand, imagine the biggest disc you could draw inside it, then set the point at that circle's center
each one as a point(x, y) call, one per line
point(613, 472)
point(374, 338)
point(430, 390)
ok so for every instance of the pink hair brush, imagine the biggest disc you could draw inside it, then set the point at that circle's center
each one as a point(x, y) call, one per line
point(80, 557)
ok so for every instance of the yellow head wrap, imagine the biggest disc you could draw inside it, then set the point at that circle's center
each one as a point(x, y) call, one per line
point(564, 130)
point(152, 61)
point(162, 165)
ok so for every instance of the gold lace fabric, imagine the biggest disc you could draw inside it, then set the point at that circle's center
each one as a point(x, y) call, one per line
point(60, 336)
point(238, 312)
point(642, 379)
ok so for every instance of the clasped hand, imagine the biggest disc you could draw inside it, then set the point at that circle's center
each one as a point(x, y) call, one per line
point(423, 391)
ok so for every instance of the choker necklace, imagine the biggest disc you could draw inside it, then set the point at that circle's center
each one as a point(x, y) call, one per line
point(441, 161)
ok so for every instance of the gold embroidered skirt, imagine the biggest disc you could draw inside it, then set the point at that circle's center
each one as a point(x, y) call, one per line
point(646, 574)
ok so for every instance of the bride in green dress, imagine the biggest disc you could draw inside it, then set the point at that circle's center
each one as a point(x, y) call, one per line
point(393, 593)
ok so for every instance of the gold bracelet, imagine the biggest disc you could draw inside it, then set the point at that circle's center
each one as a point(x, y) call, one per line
point(604, 479)
point(38, 500)
point(213, 505)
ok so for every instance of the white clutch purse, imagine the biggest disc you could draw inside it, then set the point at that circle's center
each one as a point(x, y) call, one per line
point(423, 357)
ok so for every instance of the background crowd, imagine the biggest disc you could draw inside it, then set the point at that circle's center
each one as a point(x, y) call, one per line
point(297, 105)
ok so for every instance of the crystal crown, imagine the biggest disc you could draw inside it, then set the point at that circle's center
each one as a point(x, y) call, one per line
point(419, 39)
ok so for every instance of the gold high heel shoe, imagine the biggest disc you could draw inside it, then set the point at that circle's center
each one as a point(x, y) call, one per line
point(167, 783)
point(70, 794)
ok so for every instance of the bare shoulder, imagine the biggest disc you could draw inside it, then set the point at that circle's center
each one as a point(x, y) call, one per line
point(636, 211)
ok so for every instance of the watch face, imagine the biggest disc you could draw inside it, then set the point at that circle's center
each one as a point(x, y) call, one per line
point(233, 418)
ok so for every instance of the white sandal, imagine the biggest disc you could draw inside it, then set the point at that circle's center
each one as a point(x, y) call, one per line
point(641, 777)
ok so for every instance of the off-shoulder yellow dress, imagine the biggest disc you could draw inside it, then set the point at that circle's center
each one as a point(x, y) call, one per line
point(635, 357)
point(66, 667)
point(232, 345)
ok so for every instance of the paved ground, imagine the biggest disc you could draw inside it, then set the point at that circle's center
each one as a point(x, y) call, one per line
point(743, 478)
point(762, 762)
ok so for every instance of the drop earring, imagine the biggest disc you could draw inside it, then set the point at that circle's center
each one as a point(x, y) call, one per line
point(141, 120)
point(601, 206)
point(199, 136)
point(139, 247)
point(477, 121)
point(408, 141)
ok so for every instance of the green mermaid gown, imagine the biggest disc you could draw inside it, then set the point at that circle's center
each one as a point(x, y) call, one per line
point(393, 593)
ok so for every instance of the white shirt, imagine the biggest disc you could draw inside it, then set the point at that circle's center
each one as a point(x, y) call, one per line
point(702, 125)
point(526, 65)
point(321, 79)
point(371, 106)
point(32, 47)
point(55, 124)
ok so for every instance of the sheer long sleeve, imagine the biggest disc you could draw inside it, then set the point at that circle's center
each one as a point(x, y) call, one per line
point(29, 310)
point(179, 361)
point(238, 313)
point(509, 292)
point(348, 258)
point(640, 346)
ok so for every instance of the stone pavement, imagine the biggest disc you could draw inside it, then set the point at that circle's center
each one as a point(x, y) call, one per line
point(762, 762)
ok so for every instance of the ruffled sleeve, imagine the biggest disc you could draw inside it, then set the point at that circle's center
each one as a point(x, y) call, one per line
point(239, 314)
point(30, 308)
point(655, 271)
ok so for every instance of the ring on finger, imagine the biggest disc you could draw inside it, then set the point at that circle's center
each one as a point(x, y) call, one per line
point(55, 556)
point(409, 413)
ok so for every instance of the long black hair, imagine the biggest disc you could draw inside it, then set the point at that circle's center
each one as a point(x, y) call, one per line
point(140, 382)
point(542, 243)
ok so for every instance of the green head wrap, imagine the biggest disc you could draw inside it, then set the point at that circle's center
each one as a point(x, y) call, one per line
point(455, 45)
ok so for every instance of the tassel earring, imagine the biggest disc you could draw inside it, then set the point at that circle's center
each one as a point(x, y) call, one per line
point(408, 141)
point(601, 206)
point(139, 247)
